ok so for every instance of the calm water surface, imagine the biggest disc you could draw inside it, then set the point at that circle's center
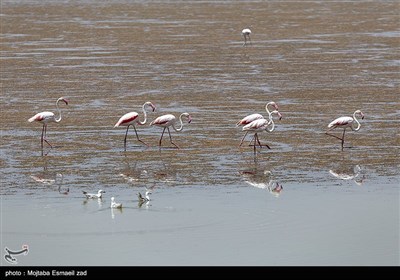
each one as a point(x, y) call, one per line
point(213, 203)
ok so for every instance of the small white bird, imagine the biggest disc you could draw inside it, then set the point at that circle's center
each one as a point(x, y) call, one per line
point(246, 34)
point(115, 204)
point(99, 194)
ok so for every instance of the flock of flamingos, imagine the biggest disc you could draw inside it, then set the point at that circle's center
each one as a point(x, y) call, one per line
point(253, 123)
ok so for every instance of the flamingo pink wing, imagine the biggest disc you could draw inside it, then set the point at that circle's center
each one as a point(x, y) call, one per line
point(163, 120)
point(342, 121)
point(257, 124)
point(249, 119)
point(41, 116)
point(127, 119)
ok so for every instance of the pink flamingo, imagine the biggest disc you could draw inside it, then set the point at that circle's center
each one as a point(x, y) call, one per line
point(168, 120)
point(46, 117)
point(131, 118)
point(345, 122)
point(259, 126)
point(253, 117)
point(246, 34)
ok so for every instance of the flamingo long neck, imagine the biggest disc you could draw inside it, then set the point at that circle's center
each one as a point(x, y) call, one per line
point(178, 129)
point(266, 107)
point(145, 115)
point(358, 123)
point(59, 112)
point(271, 122)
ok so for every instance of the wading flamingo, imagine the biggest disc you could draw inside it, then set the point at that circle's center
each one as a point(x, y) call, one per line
point(253, 117)
point(345, 122)
point(259, 126)
point(46, 117)
point(132, 118)
point(246, 35)
point(168, 120)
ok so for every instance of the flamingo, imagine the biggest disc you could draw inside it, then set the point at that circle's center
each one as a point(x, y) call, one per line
point(259, 126)
point(246, 34)
point(133, 117)
point(168, 120)
point(46, 117)
point(248, 119)
point(345, 122)
point(99, 194)
point(115, 204)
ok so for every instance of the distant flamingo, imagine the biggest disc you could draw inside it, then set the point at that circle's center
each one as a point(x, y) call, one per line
point(131, 118)
point(259, 126)
point(46, 117)
point(246, 35)
point(345, 122)
point(168, 120)
point(253, 117)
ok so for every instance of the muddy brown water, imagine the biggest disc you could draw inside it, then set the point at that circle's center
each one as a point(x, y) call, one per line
point(318, 60)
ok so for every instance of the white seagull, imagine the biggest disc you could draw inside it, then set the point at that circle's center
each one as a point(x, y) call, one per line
point(115, 204)
point(99, 194)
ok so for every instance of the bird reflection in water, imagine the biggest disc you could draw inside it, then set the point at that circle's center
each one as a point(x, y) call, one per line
point(115, 210)
point(349, 175)
point(132, 174)
point(262, 180)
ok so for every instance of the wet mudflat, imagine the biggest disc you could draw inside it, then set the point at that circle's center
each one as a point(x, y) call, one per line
point(213, 203)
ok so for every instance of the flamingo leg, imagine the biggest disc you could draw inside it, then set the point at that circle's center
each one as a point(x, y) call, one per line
point(337, 137)
point(259, 143)
point(159, 144)
point(344, 130)
point(251, 141)
point(137, 136)
point(41, 139)
point(254, 145)
point(126, 134)
point(170, 139)
point(241, 142)
point(45, 136)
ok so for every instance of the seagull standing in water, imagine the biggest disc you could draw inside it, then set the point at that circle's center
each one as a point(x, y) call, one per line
point(99, 194)
point(115, 204)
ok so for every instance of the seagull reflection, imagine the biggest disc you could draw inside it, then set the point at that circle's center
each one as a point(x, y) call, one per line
point(115, 210)
point(349, 175)
point(99, 202)
point(262, 180)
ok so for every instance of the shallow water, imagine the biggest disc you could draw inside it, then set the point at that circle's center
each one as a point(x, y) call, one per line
point(212, 202)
